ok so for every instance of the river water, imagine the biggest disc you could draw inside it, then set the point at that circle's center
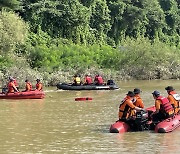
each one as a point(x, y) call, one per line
point(59, 124)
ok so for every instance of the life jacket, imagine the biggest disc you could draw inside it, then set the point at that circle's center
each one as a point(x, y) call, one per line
point(28, 86)
point(10, 87)
point(176, 97)
point(77, 80)
point(137, 101)
point(39, 86)
point(125, 108)
point(88, 80)
point(165, 105)
point(99, 80)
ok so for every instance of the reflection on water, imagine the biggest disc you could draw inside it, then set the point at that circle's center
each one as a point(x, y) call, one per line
point(59, 124)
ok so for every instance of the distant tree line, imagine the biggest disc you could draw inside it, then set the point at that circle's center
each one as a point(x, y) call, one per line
point(127, 36)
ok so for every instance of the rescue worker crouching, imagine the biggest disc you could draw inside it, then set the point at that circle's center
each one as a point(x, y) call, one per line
point(174, 99)
point(127, 109)
point(164, 108)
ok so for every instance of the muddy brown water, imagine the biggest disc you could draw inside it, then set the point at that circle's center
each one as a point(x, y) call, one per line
point(59, 124)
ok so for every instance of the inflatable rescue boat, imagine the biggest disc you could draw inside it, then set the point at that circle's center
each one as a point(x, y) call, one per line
point(142, 123)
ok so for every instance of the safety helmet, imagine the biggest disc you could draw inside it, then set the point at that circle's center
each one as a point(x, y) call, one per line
point(156, 93)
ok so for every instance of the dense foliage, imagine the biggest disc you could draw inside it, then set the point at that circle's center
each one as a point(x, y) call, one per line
point(134, 38)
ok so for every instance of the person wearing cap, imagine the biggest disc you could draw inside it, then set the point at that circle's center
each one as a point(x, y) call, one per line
point(164, 108)
point(173, 98)
point(87, 80)
point(39, 85)
point(127, 107)
point(14, 81)
point(137, 99)
point(11, 86)
point(28, 85)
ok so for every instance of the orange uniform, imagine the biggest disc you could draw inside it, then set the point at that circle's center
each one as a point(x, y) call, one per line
point(28, 86)
point(174, 99)
point(138, 101)
point(126, 108)
point(39, 86)
point(11, 87)
point(162, 104)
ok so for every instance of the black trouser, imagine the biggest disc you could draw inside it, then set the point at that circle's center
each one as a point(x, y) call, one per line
point(158, 117)
point(161, 116)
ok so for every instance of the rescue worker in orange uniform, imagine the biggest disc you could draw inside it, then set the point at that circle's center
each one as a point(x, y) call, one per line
point(98, 80)
point(39, 85)
point(87, 80)
point(164, 108)
point(127, 107)
point(174, 99)
point(11, 87)
point(28, 85)
point(137, 99)
point(15, 82)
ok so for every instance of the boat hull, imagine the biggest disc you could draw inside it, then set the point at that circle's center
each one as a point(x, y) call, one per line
point(119, 127)
point(64, 86)
point(23, 95)
point(166, 126)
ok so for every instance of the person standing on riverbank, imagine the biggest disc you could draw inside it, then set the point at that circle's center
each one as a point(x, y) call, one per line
point(174, 99)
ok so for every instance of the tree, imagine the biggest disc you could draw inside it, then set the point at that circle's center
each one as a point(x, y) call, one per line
point(10, 4)
point(100, 20)
point(13, 31)
point(172, 18)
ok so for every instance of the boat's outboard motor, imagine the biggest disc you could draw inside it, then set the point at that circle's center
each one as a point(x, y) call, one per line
point(110, 82)
point(141, 121)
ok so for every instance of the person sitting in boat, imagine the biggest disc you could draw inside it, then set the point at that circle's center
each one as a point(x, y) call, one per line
point(28, 85)
point(11, 86)
point(174, 99)
point(77, 80)
point(164, 108)
point(87, 80)
point(15, 82)
point(98, 80)
point(137, 101)
point(39, 85)
point(127, 109)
